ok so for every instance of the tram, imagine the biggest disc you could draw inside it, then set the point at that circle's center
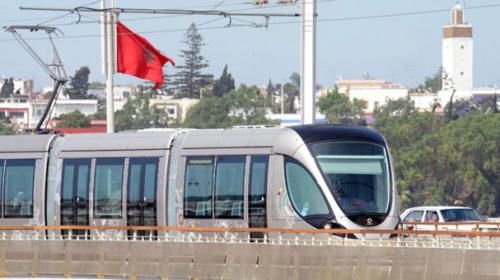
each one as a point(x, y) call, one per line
point(311, 176)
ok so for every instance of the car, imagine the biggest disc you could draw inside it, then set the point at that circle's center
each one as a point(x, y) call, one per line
point(433, 214)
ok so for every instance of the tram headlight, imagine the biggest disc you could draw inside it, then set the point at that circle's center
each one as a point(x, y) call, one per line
point(327, 226)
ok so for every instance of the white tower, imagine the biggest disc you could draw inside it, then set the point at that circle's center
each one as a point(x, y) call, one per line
point(457, 58)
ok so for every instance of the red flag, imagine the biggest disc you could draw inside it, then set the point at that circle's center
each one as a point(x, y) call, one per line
point(137, 57)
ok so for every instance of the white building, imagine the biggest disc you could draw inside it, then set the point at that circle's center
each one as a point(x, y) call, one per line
point(120, 93)
point(16, 109)
point(457, 58)
point(374, 92)
point(424, 101)
point(25, 113)
point(175, 108)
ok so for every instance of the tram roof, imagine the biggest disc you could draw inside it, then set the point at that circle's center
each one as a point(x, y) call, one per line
point(233, 138)
point(118, 141)
point(25, 143)
point(315, 133)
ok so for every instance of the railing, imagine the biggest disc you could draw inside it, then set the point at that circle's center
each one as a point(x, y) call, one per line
point(364, 237)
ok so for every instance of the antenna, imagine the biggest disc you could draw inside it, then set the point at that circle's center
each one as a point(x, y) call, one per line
point(54, 69)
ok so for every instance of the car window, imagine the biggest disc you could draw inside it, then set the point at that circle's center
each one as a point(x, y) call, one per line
point(457, 215)
point(414, 216)
point(431, 216)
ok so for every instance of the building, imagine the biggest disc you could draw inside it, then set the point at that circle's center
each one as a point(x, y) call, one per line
point(457, 58)
point(374, 92)
point(120, 92)
point(25, 112)
point(424, 101)
point(21, 86)
point(176, 109)
point(17, 110)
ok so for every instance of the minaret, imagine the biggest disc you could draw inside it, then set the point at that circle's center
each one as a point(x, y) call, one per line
point(457, 57)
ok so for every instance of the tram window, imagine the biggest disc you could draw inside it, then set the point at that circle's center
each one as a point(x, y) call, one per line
point(303, 191)
point(19, 181)
point(108, 188)
point(229, 181)
point(74, 194)
point(198, 187)
point(257, 195)
point(141, 202)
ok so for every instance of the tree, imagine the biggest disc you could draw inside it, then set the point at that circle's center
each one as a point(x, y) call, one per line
point(79, 84)
point(224, 84)
point(269, 94)
point(190, 79)
point(6, 127)
point(459, 161)
point(137, 113)
point(74, 120)
point(7, 88)
point(247, 106)
point(339, 109)
point(244, 106)
point(210, 112)
point(291, 92)
point(433, 83)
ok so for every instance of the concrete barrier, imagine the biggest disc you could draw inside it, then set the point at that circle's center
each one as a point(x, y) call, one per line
point(217, 260)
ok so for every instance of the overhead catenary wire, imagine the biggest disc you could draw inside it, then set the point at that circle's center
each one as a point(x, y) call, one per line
point(319, 20)
point(270, 6)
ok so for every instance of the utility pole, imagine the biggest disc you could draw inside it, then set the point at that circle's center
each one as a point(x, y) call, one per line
point(110, 57)
point(308, 62)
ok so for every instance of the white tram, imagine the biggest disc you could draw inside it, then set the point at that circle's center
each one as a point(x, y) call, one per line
point(317, 176)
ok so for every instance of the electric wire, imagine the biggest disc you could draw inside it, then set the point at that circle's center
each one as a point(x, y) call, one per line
point(319, 20)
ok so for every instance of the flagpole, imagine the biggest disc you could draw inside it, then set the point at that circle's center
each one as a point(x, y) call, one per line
point(110, 26)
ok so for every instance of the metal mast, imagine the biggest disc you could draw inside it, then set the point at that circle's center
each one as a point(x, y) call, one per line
point(110, 69)
point(308, 62)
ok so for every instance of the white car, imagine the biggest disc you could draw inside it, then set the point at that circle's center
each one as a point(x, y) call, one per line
point(432, 214)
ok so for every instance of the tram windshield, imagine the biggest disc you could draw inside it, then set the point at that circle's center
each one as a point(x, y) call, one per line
point(357, 174)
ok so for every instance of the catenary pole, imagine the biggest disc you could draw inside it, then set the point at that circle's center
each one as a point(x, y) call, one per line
point(110, 50)
point(308, 62)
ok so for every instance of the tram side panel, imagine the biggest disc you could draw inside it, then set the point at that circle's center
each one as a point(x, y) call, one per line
point(121, 187)
point(213, 188)
point(23, 167)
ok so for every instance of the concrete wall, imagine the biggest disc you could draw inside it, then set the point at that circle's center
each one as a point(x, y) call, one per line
point(211, 260)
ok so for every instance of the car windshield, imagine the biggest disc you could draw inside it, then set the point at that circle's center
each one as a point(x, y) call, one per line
point(357, 174)
point(459, 215)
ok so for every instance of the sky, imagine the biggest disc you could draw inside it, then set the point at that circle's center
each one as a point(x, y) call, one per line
point(350, 41)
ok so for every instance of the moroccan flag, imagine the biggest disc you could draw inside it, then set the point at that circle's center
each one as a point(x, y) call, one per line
point(137, 57)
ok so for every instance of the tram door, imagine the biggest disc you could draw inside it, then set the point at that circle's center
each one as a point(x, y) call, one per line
point(75, 194)
point(141, 195)
point(257, 214)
